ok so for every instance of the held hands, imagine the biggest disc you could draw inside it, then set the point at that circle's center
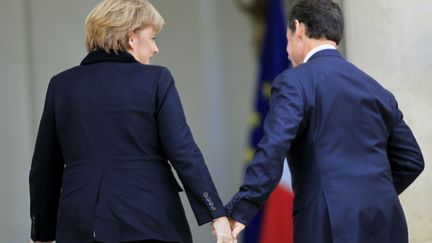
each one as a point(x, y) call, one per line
point(226, 230)
point(236, 227)
point(221, 229)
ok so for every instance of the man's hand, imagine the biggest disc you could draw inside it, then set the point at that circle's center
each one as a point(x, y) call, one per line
point(221, 229)
point(236, 227)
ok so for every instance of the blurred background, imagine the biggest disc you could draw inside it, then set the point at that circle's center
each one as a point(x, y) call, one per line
point(209, 46)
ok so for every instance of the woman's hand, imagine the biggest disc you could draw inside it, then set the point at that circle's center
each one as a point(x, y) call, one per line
point(222, 230)
point(236, 227)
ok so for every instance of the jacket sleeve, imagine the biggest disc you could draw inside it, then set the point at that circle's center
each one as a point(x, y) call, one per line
point(183, 153)
point(280, 129)
point(406, 159)
point(45, 175)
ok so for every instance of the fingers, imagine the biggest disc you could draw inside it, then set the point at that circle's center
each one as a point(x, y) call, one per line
point(236, 231)
point(225, 239)
point(224, 236)
point(221, 229)
point(237, 228)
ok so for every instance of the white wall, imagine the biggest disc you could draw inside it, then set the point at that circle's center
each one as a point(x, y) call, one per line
point(390, 40)
point(15, 116)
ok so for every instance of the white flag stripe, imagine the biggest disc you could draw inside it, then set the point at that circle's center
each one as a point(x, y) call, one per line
point(286, 176)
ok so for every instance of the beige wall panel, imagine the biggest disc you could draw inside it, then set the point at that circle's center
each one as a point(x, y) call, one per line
point(390, 40)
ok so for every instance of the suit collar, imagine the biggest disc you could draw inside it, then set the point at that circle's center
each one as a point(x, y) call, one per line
point(103, 56)
point(317, 49)
point(326, 53)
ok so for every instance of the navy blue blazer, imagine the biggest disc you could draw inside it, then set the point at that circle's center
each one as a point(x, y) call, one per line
point(100, 168)
point(350, 154)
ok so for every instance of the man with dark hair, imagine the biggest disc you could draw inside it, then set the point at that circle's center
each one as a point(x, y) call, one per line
point(349, 150)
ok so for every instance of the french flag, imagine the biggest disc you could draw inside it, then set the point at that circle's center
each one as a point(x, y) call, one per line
point(274, 223)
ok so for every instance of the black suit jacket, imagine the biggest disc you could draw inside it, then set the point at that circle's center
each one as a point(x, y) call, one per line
point(100, 168)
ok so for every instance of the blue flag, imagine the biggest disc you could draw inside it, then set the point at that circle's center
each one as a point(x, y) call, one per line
point(273, 60)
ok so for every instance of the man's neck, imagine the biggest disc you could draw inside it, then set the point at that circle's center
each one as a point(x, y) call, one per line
point(314, 44)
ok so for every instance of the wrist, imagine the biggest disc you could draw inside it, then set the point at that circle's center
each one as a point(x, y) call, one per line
point(222, 218)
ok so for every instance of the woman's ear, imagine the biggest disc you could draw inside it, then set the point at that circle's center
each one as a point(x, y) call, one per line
point(132, 41)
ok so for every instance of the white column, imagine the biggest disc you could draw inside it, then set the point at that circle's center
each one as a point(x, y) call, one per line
point(390, 40)
point(56, 41)
point(15, 123)
point(213, 92)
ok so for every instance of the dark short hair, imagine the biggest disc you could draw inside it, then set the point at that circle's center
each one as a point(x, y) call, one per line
point(322, 18)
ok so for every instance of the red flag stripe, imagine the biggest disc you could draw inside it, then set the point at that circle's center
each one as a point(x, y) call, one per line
point(277, 225)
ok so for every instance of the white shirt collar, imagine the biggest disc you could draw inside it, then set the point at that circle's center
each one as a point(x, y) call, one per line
point(317, 49)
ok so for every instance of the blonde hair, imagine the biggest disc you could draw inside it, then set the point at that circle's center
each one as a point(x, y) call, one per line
point(111, 23)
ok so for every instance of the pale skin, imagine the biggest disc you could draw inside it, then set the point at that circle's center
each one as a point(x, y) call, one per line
point(299, 45)
point(142, 45)
point(222, 231)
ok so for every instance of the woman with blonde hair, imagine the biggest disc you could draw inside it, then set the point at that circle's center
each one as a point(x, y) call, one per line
point(110, 131)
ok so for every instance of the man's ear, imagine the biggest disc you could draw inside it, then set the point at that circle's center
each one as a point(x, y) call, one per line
point(300, 29)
